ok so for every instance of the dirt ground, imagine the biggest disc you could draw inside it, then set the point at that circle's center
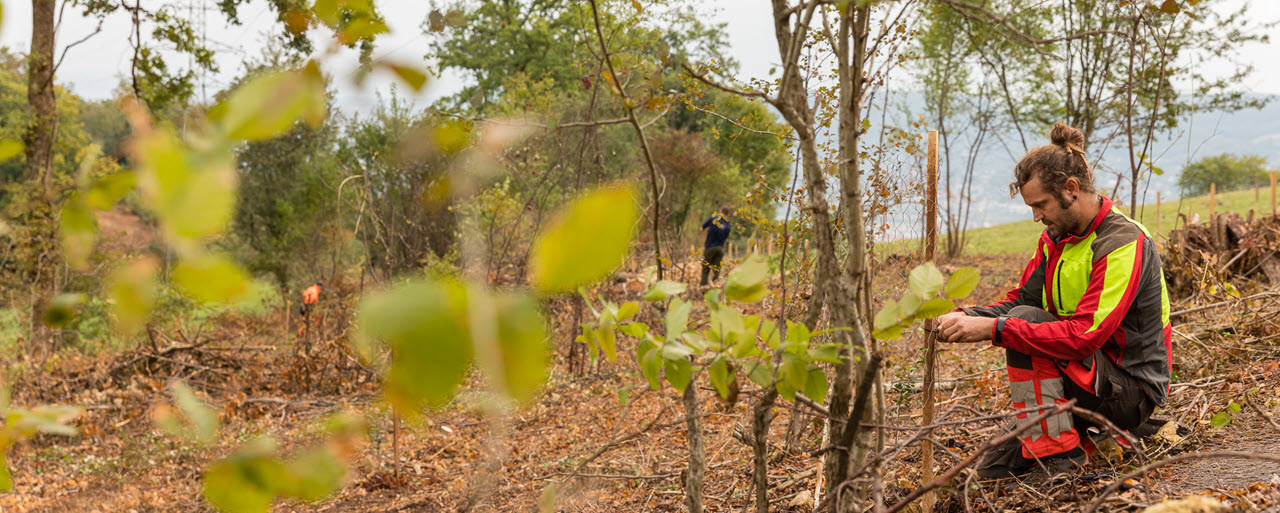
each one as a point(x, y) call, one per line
point(253, 373)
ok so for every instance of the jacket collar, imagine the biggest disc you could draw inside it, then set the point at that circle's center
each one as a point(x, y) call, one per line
point(1103, 210)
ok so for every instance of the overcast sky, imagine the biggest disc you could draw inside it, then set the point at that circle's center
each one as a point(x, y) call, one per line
point(94, 69)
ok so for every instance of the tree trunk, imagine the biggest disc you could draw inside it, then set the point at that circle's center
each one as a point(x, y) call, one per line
point(40, 96)
point(697, 449)
point(853, 29)
point(761, 416)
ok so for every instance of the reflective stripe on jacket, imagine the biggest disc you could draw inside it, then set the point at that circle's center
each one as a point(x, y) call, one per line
point(1108, 292)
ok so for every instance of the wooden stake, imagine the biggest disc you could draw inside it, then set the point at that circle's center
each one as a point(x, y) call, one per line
point(1158, 232)
point(1213, 189)
point(1273, 194)
point(395, 445)
point(930, 326)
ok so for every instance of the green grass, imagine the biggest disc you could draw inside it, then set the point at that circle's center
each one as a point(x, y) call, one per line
point(1021, 237)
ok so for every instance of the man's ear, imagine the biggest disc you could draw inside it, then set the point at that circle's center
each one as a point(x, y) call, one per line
point(1071, 187)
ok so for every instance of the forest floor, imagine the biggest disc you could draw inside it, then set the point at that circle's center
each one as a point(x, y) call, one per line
point(249, 369)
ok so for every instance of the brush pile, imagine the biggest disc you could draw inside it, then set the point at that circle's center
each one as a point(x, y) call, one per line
point(1230, 252)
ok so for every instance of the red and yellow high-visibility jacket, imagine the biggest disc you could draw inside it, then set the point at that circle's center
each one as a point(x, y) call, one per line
point(1108, 292)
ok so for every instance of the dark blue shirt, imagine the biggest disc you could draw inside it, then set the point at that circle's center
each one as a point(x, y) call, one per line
point(717, 230)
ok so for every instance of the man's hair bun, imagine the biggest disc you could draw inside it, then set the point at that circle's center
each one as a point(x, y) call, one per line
point(1066, 137)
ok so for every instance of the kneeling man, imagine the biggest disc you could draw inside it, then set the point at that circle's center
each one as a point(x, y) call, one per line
point(1089, 319)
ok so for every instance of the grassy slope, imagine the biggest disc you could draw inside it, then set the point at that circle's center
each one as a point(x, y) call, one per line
point(1020, 237)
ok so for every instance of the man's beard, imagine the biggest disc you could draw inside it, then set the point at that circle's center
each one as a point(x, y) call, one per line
point(1069, 220)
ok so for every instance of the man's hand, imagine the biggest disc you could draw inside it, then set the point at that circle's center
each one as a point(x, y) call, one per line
point(956, 327)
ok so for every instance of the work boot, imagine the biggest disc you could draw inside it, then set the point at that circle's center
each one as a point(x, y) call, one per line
point(1007, 461)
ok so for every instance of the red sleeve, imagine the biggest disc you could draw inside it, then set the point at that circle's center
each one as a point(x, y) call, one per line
point(1113, 282)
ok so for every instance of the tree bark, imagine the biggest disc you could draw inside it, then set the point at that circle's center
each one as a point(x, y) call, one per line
point(761, 416)
point(697, 470)
point(40, 96)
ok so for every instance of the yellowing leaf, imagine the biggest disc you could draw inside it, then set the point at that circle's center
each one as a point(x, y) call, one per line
point(79, 230)
point(412, 76)
point(664, 289)
point(192, 193)
point(11, 149)
point(425, 326)
point(202, 419)
point(132, 291)
point(747, 282)
point(962, 282)
point(210, 278)
point(247, 481)
point(522, 339)
point(585, 240)
point(888, 315)
point(6, 479)
point(925, 280)
point(270, 103)
point(934, 307)
point(108, 190)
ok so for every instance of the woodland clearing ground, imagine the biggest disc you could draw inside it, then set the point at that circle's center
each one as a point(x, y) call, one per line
point(121, 462)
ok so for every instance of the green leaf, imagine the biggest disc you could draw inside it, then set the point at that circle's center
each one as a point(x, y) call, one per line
point(11, 149)
point(79, 230)
point(608, 341)
point(1221, 419)
point(815, 386)
point(795, 370)
point(204, 421)
point(247, 481)
point(712, 298)
point(679, 373)
point(747, 282)
point(650, 364)
point(718, 373)
point(925, 280)
point(934, 307)
point(563, 258)
point(908, 306)
point(785, 390)
point(6, 479)
point(313, 475)
point(677, 317)
point(627, 310)
point(624, 395)
point(192, 193)
point(61, 310)
point(728, 325)
point(426, 327)
point(1234, 407)
point(210, 278)
point(522, 339)
point(888, 315)
point(108, 190)
point(664, 289)
point(634, 329)
point(674, 349)
point(888, 333)
point(761, 374)
point(132, 294)
point(962, 282)
point(769, 332)
point(269, 103)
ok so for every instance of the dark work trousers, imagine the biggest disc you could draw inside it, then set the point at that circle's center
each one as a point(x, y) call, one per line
point(1096, 383)
point(711, 258)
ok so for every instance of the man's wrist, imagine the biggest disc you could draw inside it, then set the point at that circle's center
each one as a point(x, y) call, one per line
point(996, 329)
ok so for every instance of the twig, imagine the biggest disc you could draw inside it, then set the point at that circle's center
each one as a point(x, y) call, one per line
point(1119, 481)
point(991, 444)
point(1264, 414)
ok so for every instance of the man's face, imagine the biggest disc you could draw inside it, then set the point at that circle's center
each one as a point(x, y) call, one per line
point(1051, 210)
